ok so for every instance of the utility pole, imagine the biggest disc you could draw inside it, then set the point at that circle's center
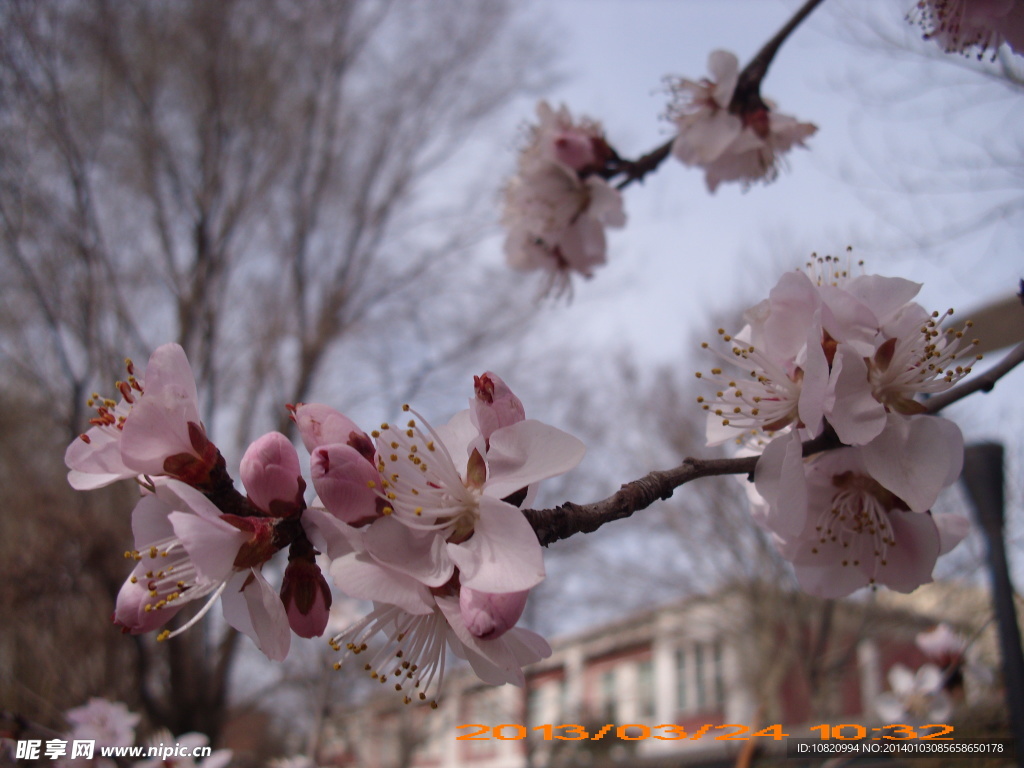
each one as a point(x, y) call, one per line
point(983, 477)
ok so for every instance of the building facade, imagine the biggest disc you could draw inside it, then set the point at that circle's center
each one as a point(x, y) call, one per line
point(690, 684)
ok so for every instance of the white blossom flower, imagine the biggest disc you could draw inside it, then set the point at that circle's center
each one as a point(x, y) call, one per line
point(914, 697)
point(436, 481)
point(186, 550)
point(728, 145)
point(856, 517)
point(108, 723)
point(852, 350)
point(155, 429)
point(419, 626)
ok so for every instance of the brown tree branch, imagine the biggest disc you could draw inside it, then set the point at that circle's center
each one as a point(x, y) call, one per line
point(563, 521)
point(983, 382)
point(747, 96)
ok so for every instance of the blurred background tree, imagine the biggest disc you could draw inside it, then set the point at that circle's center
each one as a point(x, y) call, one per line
point(265, 182)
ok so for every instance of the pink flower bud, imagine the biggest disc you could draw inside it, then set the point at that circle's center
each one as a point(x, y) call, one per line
point(489, 616)
point(494, 406)
point(346, 483)
point(574, 148)
point(306, 597)
point(322, 425)
point(272, 476)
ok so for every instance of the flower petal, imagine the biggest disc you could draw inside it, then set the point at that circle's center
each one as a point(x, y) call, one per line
point(157, 426)
point(916, 457)
point(421, 555)
point(212, 545)
point(526, 452)
point(345, 482)
point(779, 478)
point(253, 607)
point(503, 554)
point(855, 414)
point(909, 562)
point(362, 577)
point(98, 462)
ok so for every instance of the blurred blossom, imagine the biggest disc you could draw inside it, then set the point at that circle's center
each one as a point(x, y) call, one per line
point(557, 207)
point(108, 723)
point(730, 145)
point(971, 27)
point(943, 644)
point(914, 697)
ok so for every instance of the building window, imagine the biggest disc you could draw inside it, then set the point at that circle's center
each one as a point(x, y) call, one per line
point(700, 677)
point(682, 683)
point(645, 688)
point(535, 704)
point(608, 695)
point(719, 675)
point(700, 672)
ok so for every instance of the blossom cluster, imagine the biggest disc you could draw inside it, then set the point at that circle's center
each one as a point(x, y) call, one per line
point(424, 522)
point(848, 354)
point(557, 205)
point(731, 141)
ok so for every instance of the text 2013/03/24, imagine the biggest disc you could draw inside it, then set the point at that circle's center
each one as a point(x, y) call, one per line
point(720, 732)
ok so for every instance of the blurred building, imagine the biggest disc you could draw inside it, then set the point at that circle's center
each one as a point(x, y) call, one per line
point(688, 684)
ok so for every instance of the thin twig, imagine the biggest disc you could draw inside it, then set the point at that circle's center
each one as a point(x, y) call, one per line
point(635, 170)
point(983, 382)
point(563, 521)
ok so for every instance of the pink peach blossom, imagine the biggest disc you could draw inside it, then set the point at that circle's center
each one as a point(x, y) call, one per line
point(729, 146)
